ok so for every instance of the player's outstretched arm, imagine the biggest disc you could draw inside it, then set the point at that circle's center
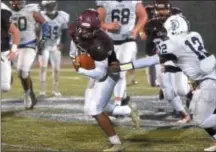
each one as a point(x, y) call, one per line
point(137, 64)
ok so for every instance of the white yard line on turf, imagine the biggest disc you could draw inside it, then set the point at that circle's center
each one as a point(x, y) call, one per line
point(32, 148)
point(77, 98)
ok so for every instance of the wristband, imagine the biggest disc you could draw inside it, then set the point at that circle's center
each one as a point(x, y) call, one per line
point(126, 67)
point(13, 48)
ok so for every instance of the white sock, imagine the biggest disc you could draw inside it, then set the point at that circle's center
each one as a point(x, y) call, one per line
point(43, 79)
point(55, 80)
point(122, 110)
point(114, 140)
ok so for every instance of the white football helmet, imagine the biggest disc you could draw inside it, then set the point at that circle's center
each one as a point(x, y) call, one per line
point(50, 6)
point(176, 25)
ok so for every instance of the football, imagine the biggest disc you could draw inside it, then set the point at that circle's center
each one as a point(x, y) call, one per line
point(86, 61)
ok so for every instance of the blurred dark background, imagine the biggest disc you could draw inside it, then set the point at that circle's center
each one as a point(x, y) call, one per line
point(201, 14)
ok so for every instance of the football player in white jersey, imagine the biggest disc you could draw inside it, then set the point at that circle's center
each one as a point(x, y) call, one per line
point(186, 49)
point(118, 19)
point(58, 25)
point(169, 77)
point(25, 16)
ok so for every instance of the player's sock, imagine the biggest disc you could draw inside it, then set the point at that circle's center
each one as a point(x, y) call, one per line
point(43, 79)
point(121, 110)
point(114, 140)
point(176, 103)
point(117, 101)
point(55, 81)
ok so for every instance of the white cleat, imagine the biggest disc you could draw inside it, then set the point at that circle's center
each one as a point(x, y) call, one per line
point(115, 148)
point(42, 94)
point(185, 120)
point(57, 94)
point(212, 148)
point(135, 116)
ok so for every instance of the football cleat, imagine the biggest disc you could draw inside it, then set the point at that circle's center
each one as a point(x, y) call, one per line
point(185, 120)
point(57, 94)
point(212, 148)
point(115, 148)
point(135, 116)
point(125, 101)
point(29, 99)
point(132, 82)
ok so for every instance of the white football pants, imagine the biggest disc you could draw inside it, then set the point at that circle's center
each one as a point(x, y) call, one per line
point(26, 57)
point(125, 53)
point(5, 72)
point(173, 86)
point(203, 104)
point(98, 94)
point(53, 54)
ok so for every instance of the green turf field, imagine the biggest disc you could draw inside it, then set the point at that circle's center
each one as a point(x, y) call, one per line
point(72, 84)
point(34, 135)
point(27, 134)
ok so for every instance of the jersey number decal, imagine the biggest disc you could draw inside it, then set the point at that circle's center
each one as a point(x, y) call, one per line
point(121, 15)
point(21, 23)
point(197, 50)
point(53, 32)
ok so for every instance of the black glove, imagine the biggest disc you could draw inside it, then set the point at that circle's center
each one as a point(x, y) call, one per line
point(41, 45)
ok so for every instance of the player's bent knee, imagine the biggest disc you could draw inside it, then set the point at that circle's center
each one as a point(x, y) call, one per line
point(23, 74)
point(5, 87)
point(92, 111)
point(169, 94)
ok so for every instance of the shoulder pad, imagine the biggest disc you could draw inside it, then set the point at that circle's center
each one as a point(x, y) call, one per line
point(65, 16)
point(176, 10)
point(136, 2)
point(101, 3)
point(32, 7)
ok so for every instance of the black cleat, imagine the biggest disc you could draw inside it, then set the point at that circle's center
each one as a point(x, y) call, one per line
point(33, 99)
point(125, 101)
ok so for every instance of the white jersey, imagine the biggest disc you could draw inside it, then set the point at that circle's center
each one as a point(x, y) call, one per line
point(56, 26)
point(189, 50)
point(122, 11)
point(24, 20)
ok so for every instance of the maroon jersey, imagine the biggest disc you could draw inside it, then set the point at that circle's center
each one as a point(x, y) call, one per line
point(99, 47)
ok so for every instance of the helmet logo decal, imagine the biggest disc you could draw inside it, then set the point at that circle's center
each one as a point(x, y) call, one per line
point(174, 25)
point(86, 24)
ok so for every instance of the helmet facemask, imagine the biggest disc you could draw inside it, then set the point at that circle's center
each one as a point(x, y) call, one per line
point(86, 32)
point(49, 7)
point(17, 5)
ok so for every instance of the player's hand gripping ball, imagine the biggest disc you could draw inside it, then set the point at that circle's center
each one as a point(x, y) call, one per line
point(84, 61)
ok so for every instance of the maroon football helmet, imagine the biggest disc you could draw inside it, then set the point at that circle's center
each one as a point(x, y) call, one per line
point(88, 23)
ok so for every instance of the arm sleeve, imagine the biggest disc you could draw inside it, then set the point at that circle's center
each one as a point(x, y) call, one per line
point(98, 73)
point(146, 62)
point(73, 50)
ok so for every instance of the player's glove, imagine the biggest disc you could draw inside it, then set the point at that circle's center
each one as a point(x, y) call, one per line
point(114, 67)
point(41, 45)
